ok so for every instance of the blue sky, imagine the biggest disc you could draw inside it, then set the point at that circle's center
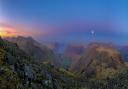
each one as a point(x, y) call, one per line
point(69, 20)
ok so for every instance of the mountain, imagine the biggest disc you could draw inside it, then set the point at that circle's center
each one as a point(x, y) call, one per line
point(19, 71)
point(12, 63)
point(99, 60)
point(56, 47)
point(33, 48)
point(50, 52)
point(74, 52)
point(59, 50)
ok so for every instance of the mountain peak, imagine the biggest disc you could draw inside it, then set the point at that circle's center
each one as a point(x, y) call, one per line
point(98, 56)
point(32, 47)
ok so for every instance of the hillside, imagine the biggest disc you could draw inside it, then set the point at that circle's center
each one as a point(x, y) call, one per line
point(33, 48)
point(19, 71)
point(99, 60)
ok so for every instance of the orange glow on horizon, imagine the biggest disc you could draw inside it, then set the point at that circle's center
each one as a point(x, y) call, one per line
point(14, 31)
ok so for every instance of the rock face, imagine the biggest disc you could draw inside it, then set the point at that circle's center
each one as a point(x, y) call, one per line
point(99, 58)
point(33, 48)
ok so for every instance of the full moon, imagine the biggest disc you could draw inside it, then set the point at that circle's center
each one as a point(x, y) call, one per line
point(92, 32)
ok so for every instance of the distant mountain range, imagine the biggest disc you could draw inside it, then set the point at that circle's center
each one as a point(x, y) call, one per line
point(72, 51)
point(32, 65)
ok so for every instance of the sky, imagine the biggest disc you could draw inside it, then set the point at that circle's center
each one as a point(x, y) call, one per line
point(66, 20)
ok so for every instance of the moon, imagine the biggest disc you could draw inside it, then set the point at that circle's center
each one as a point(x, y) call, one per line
point(92, 32)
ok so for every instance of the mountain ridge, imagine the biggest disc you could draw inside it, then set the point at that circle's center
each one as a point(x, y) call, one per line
point(97, 58)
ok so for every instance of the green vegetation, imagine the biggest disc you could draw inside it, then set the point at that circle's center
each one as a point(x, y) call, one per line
point(119, 81)
point(20, 71)
point(8, 79)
